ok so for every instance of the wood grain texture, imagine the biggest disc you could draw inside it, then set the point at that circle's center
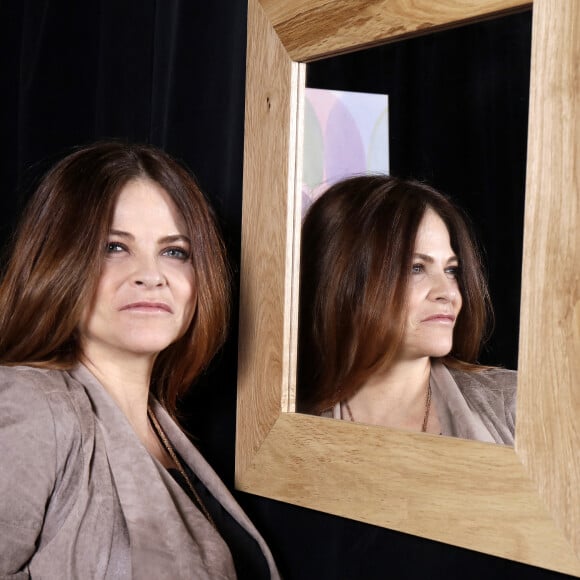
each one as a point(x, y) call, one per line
point(548, 428)
point(312, 29)
point(451, 490)
point(521, 504)
point(267, 226)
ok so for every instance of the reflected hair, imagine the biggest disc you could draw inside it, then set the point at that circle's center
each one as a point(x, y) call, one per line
point(58, 253)
point(358, 242)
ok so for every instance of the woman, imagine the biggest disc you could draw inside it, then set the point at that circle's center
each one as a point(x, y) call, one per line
point(394, 307)
point(115, 299)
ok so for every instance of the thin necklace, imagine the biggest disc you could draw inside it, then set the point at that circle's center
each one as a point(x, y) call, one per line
point(425, 416)
point(169, 448)
point(427, 409)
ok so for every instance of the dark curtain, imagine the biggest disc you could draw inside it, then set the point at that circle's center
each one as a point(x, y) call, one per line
point(171, 73)
point(167, 72)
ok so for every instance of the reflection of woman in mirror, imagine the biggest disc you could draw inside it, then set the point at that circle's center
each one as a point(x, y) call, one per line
point(394, 308)
point(114, 301)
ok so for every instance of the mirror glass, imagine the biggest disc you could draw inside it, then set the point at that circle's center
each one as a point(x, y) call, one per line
point(450, 109)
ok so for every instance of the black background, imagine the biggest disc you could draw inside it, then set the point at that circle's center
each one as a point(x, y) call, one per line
point(172, 73)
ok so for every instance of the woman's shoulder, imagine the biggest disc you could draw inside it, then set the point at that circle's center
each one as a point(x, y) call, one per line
point(31, 381)
point(491, 378)
point(43, 397)
point(42, 377)
point(491, 393)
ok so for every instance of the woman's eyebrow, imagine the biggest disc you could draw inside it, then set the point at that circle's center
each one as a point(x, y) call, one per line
point(121, 234)
point(430, 259)
point(175, 238)
point(164, 240)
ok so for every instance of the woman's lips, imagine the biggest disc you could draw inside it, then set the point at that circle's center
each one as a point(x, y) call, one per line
point(148, 307)
point(443, 318)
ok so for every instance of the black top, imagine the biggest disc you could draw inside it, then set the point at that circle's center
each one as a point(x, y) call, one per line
point(248, 557)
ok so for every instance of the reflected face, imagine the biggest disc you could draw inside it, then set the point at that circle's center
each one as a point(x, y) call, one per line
point(146, 296)
point(433, 295)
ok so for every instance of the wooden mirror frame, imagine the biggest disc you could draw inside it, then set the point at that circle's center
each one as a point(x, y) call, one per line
point(520, 503)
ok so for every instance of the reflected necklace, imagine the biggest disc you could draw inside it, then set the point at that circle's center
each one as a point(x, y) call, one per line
point(425, 416)
point(177, 461)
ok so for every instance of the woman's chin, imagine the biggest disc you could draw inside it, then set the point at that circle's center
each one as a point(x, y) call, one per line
point(150, 347)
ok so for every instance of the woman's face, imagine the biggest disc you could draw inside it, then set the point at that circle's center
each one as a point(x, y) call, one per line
point(146, 296)
point(433, 295)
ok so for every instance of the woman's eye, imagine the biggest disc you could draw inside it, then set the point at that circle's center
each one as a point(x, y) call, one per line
point(114, 247)
point(178, 253)
point(417, 268)
point(453, 271)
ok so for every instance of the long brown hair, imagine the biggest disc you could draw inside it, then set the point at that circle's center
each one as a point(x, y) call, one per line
point(358, 241)
point(58, 254)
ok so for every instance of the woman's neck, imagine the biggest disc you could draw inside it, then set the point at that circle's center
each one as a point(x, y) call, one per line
point(126, 378)
point(396, 398)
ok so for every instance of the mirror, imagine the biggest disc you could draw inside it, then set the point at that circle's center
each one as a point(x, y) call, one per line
point(521, 503)
point(454, 106)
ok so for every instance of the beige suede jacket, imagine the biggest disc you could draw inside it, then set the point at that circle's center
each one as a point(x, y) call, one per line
point(80, 497)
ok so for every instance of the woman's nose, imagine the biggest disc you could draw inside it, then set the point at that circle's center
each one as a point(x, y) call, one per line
point(150, 280)
point(445, 288)
point(148, 274)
